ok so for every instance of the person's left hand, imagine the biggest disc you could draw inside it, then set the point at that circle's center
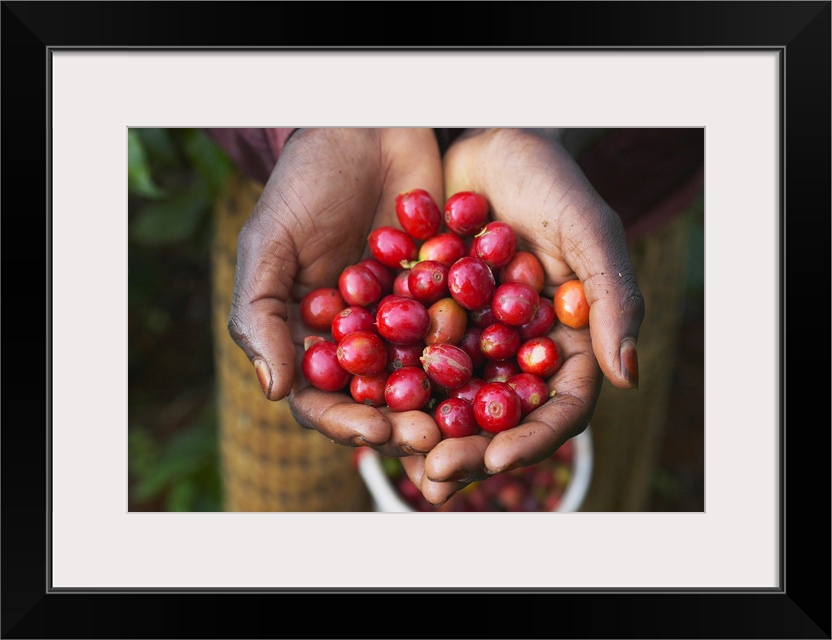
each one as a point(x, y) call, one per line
point(534, 184)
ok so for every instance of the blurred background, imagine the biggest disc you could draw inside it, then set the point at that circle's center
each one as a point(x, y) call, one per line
point(175, 178)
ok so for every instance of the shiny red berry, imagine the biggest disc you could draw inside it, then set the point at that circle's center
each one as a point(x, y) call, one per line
point(515, 303)
point(495, 244)
point(320, 366)
point(407, 389)
point(428, 281)
point(471, 282)
point(369, 390)
point(320, 306)
point(447, 365)
point(466, 212)
point(531, 389)
point(359, 286)
point(497, 407)
point(392, 246)
point(499, 341)
point(418, 213)
point(352, 319)
point(446, 248)
point(362, 353)
point(455, 418)
point(540, 356)
point(524, 267)
point(402, 320)
point(541, 323)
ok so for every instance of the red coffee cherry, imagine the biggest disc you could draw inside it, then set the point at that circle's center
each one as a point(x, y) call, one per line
point(466, 212)
point(319, 307)
point(455, 418)
point(358, 286)
point(446, 248)
point(482, 317)
point(401, 286)
point(495, 244)
point(497, 407)
point(499, 341)
point(468, 390)
point(383, 274)
point(531, 389)
point(470, 344)
point(352, 319)
point(418, 213)
point(447, 365)
point(524, 267)
point(471, 282)
point(540, 356)
point(402, 320)
point(369, 390)
point(392, 246)
point(541, 323)
point(321, 368)
point(515, 303)
point(428, 281)
point(500, 370)
point(404, 355)
point(407, 389)
point(362, 353)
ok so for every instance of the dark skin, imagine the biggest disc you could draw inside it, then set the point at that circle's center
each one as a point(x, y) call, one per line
point(331, 187)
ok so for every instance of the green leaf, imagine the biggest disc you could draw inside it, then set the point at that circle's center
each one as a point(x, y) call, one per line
point(182, 496)
point(139, 178)
point(159, 146)
point(207, 158)
point(172, 220)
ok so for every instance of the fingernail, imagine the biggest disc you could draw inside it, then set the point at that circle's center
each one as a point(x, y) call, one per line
point(461, 475)
point(508, 467)
point(413, 452)
point(629, 361)
point(264, 376)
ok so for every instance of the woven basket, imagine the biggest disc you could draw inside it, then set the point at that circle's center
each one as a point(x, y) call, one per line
point(269, 462)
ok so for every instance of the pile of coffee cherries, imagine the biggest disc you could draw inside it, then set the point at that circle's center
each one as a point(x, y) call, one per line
point(444, 318)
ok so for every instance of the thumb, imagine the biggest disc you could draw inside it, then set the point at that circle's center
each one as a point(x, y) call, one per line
point(593, 243)
point(266, 267)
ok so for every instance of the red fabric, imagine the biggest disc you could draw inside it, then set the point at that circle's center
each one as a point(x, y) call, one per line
point(254, 150)
point(647, 175)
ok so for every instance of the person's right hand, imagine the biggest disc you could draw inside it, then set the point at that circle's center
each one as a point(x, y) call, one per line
point(328, 190)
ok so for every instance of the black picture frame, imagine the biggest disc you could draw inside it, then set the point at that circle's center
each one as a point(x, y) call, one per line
point(800, 608)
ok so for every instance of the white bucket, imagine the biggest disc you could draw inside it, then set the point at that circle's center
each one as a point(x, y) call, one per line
point(387, 499)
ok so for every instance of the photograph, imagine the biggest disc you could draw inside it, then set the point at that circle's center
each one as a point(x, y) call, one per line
point(205, 435)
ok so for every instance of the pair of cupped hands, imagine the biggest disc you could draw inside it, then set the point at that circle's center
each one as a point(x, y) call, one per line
point(331, 187)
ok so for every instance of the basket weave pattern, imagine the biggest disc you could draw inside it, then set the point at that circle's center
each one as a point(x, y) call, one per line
point(269, 462)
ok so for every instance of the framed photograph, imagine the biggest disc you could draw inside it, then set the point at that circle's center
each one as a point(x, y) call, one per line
point(754, 75)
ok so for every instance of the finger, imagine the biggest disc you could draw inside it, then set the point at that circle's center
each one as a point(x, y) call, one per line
point(413, 432)
point(340, 418)
point(266, 267)
point(458, 460)
point(412, 161)
point(573, 391)
point(436, 493)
